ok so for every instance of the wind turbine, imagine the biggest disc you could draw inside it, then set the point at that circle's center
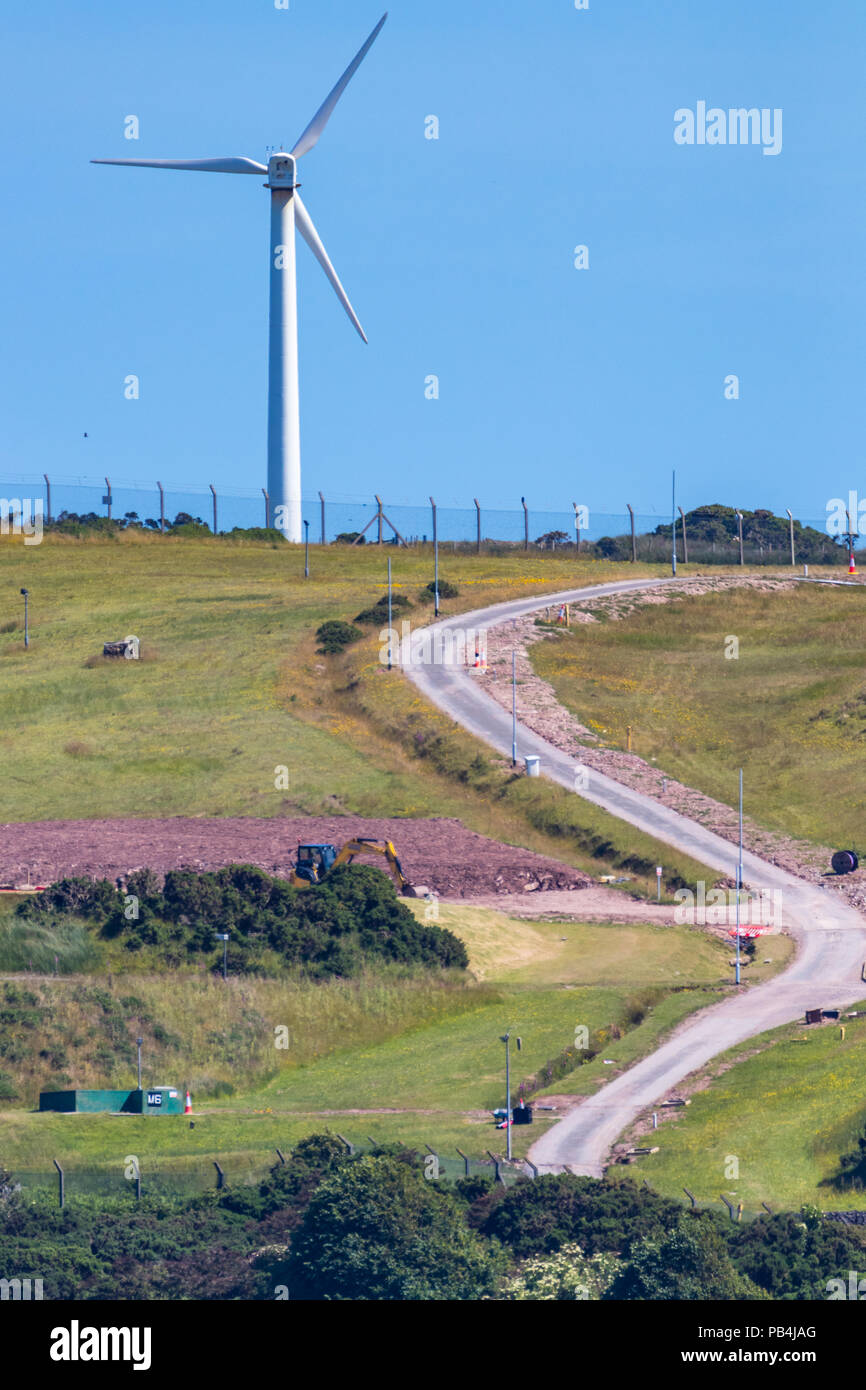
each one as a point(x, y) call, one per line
point(287, 213)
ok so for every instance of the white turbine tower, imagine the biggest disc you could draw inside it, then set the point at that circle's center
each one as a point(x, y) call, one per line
point(287, 213)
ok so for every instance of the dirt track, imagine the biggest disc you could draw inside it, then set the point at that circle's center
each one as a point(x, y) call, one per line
point(440, 853)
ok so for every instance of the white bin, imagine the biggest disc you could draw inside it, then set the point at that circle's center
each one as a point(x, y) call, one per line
point(533, 767)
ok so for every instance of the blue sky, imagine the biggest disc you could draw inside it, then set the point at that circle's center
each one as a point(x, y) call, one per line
point(556, 129)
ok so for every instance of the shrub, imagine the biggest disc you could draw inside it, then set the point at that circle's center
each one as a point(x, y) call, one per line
point(446, 589)
point(542, 1216)
point(335, 635)
point(377, 1230)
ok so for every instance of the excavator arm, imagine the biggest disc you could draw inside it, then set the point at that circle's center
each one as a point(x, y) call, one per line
point(387, 851)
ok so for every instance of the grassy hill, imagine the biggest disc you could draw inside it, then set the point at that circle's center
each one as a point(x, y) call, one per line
point(231, 687)
point(791, 709)
point(786, 1106)
point(393, 1055)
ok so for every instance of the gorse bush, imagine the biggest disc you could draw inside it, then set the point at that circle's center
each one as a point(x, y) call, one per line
point(332, 928)
point(335, 635)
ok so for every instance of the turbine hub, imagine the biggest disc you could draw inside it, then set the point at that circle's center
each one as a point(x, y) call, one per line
point(282, 170)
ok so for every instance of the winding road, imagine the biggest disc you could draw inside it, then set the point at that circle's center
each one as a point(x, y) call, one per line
point(830, 935)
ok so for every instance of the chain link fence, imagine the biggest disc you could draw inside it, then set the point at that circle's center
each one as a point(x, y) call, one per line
point(623, 534)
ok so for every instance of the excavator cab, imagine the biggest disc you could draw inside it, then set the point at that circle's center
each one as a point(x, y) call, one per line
point(314, 861)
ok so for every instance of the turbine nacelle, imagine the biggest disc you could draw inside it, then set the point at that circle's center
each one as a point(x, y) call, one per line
point(282, 171)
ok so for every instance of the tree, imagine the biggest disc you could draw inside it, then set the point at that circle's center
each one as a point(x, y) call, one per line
point(567, 1276)
point(691, 1262)
point(555, 1210)
point(377, 1229)
point(794, 1258)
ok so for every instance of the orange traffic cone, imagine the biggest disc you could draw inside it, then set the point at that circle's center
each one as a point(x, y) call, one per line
point(187, 1109)
point(852, 568)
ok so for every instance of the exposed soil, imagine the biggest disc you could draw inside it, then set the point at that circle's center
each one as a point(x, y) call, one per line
point(440, 854)
point(595, 904)
point(539, 709)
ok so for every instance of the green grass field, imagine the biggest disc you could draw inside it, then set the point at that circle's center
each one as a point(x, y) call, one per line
point(791, 709)
point(423, 1052)
point(785, 1106)
point(231, 687)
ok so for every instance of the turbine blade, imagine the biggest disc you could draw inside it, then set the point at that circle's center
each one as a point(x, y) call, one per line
point(323, 115)
point(232, 164)
point(311, 237)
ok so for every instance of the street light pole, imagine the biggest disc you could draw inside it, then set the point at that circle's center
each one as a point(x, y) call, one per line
point(306, 550)
point(514, 709)
point(739, 875)
point(506, 1038)
point(674, 524)
point(390, 634)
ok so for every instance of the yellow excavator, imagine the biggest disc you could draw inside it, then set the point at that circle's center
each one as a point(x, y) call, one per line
point(314, 863)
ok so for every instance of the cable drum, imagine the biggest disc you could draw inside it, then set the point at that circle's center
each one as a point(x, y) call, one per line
point(844, 861)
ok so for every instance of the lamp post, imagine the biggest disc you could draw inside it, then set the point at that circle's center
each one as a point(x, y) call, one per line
point(514, 709)
point(506, 1038)
point(306, 550)
point(674, 524)
point(26, 593)
point(390, 625)
point(223, 936)
point(739, 875)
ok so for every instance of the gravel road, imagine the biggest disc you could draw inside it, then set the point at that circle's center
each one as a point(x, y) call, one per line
point(830, 935)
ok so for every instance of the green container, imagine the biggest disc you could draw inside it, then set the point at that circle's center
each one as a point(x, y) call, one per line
point(155, 1100)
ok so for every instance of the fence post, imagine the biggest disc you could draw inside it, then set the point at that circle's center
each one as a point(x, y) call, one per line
point(435, 563)
point(322, 500)
point(47, 497)
point(221, 1177)
point(525, 523)
point(690, 1196)
point(60, 1182)
point(740, 531)
point(791, 526)
point(729, 1205)
point(213, 492)
point(350, 1148)
point(633, 541)
point(478, 525)
point(267, 508)
point(137, 1183)
point(766, 1208)
point(161, 508)
point(465, 1163)
point(107, 498)
point(530, 1164)
point(281, 1156)
point(685, 537)
point(497, 1164)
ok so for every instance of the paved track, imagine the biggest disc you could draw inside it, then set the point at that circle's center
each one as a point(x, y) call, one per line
point(831, 935)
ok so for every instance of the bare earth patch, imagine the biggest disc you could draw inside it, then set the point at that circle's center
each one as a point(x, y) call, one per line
point(439, 853)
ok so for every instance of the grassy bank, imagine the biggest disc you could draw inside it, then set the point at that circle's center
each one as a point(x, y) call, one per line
point(783, 1108)
point(231, 688)
point(790, 708)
